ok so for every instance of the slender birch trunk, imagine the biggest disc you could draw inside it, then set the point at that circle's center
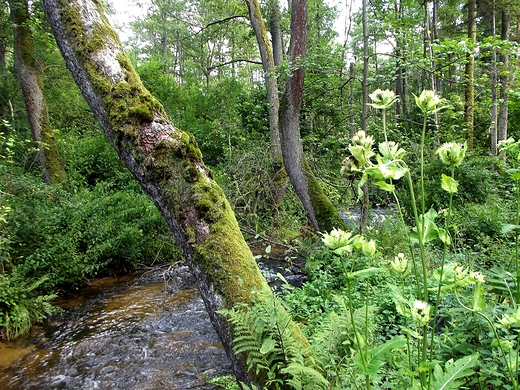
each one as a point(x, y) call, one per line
point(469, 106)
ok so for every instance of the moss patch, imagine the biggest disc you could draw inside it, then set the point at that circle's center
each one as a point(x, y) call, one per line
point(234, 274)
point(326, 214)
point(127, 103)
point(220, 251)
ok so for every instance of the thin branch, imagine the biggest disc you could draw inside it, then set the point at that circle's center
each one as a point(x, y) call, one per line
point(222, 21)
point(210, 68)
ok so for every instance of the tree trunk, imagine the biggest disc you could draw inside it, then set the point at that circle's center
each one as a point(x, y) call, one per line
point(31, 81)
point(276, 32)
point(435, 39)
point(3, 37)
point(363, 220)
point(504, 79)
point(494, 102)
point(165, 161)
point(469, 104)
point(400, 78)
point(321, 212)
point(269, 62)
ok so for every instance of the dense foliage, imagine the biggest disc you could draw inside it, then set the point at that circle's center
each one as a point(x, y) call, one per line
point(426, 299)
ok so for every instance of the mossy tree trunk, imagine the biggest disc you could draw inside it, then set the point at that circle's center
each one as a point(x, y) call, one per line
point(31, 80)
point(319, 209)
point(164, 160)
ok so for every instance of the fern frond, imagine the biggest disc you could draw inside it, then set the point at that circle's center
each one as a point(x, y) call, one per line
point(246, 340)
point(335, 335)
point(304, 377)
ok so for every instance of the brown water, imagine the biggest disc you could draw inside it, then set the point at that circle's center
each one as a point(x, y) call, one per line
point(130, 333)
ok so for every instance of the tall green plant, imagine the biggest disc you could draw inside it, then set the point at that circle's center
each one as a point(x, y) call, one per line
point(390, 166)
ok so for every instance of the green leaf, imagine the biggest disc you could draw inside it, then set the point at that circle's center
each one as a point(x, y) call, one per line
point(515, 176)
point(376, 356)
point(401, 303)
point(479, 303)
point(444, 236)
point(267, 346)
point(364, 273)
point(385, 186)
point(508, 228)
point(450, 377)
point(431, 230)
point(449, 184)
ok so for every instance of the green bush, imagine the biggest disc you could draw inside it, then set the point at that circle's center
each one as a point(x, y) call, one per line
point(92, 160)
point(72, 237)
point(478, 226)
point(476, 177)
point(20, 305)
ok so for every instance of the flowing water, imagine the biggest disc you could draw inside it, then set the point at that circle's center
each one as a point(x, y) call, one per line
point(135, 332)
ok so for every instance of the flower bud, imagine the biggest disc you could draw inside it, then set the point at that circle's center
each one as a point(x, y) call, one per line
point(400, 264)
point(429, 102)
point(382, 99)
point(421, 312)
point(452, 153)
point(391, 150)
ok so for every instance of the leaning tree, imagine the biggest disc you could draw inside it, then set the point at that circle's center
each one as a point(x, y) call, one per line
point(165, 161)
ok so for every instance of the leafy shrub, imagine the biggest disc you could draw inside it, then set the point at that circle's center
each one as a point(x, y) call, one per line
point(20, 305)
point(479, 225)
point(476, 177)
point(92, 160)
point(71, 237)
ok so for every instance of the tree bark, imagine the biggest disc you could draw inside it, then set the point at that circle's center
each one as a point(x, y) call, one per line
point(363, 220)
point(493, 134)
point(400, 78)
point(504, 79)
point(321, 212)
point(276, 32)
point(31, 81)
point(436, 39)
point(469, 105)
point(3, 37)
point(164, 160)
point(364, 83)
point(271, 55)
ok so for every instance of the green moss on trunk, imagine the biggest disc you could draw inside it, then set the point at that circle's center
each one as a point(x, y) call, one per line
point(325, 212)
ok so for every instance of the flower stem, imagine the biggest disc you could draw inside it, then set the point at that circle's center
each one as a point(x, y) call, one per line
point(443, 260)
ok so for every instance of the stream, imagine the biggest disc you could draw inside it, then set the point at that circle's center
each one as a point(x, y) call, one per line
point(146, 331)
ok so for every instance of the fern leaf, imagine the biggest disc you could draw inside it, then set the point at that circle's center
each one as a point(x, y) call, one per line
point(304, 377)
point(450, 378)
